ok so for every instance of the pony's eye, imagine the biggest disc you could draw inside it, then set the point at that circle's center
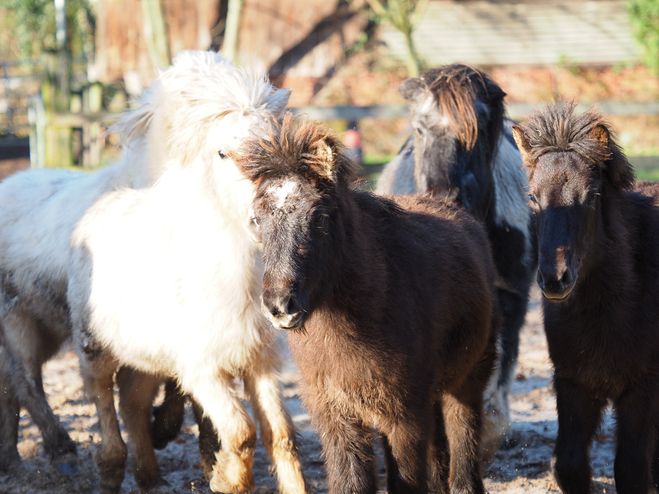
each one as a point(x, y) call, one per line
point(255, 228)
point(418, 130)
point(533, 199)
point(222, 155)
point(591, 197)
point(321, 221)
point(254, 224)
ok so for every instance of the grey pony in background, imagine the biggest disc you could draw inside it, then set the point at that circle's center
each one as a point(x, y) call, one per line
point(462, 149)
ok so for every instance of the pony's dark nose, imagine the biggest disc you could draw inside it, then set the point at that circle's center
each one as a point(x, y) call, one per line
point(556, 284)
point(282, 308)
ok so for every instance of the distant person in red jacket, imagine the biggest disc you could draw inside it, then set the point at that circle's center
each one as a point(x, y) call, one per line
point(352, 140)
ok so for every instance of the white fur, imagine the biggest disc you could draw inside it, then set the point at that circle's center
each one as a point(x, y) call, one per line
point(197, 107)
point(168, 280)
point(283, 192)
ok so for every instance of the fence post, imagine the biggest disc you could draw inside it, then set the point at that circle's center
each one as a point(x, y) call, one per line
point(92, 102)
point(59, 152)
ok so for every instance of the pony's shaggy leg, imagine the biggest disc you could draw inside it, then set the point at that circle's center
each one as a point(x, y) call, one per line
point(462, 416)
point(496, 416)
point(496, 421)
point(26, 381)
point(168, 417)
point(348, 452)
point(277, 430)
point(438, 457)
point(406, 455)
point(579, 415)
point(636, 411)
point(136, 393)
point(209, 442)
point(9, 416)
point(97, 371)
point(232, 472)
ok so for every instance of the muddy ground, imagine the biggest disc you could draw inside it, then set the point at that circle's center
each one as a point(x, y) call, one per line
point(522, 466)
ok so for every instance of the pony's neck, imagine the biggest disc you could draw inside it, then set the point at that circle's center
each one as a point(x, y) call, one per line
point(611, 252)
point(360, 265)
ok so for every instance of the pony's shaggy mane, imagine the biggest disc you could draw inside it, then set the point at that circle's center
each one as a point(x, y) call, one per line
point(295, 146)
point(196, 90)
point(456, 89)
point(555, 128)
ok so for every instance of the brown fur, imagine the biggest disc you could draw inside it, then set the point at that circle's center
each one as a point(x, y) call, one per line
point(557, 128)
point(397, 314)
point(456, 93)
point(598, 258)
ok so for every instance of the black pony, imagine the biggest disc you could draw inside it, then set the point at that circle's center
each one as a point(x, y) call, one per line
point(462, 150)
point(598, 253)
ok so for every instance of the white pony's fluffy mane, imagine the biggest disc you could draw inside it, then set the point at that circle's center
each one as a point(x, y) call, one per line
point(196, 90)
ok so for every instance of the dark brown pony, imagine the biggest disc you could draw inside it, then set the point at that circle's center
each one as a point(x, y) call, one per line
point(391, 307)
point(598, 270)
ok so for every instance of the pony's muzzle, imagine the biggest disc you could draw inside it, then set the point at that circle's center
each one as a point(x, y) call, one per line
point(282, 308)
point(556, 284)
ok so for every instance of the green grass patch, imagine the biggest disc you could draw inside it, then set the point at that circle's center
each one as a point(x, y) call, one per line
point(376, 159)
point(648, 174)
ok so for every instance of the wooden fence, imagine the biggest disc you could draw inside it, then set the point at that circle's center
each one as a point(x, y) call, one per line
point(92, 121)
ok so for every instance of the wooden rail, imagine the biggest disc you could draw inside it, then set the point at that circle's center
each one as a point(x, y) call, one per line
point(90, 121)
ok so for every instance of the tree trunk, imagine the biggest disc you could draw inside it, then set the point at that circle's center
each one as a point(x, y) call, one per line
point(155, 33)
point(234, 15)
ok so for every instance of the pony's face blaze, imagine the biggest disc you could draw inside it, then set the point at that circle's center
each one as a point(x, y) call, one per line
point(434, 142)
point(564, 194)
point(443, 166)
point(293, 220)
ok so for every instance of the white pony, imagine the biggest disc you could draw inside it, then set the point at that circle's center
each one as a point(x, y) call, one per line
point(167, 280)
point(40, 208)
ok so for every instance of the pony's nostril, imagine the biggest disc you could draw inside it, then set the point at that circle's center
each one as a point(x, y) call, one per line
point(274, 310)
point(539, 279)
point(566, 279)
point(292, 306)
point(270, 304)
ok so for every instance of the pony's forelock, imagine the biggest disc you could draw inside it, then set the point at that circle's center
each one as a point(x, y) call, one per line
point(456, 88)
point(198, 89)
point(555, 128)
point(299, 147)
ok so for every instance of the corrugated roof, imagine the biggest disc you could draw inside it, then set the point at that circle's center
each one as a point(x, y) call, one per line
point(509, 33)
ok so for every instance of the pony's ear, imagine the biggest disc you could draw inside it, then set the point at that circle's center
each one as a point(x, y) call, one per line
point(601, 134)
point(326, 160)
point(522, 142)
point(278, 100)
point(412, 89)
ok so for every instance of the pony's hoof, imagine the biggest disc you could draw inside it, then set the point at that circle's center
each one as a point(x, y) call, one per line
point(161, 486)
point(232, 475)
point(110, 473)
point(109, 489)
point(9, 461)
point(68, 468)
point(148, 480)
